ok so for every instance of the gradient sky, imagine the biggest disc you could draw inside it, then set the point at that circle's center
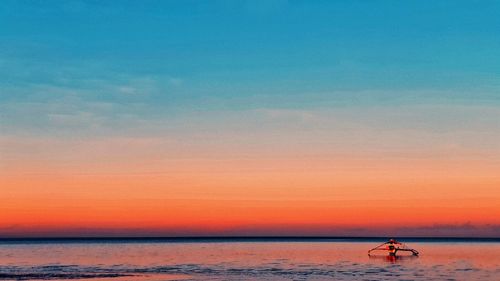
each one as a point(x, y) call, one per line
point(249, 118)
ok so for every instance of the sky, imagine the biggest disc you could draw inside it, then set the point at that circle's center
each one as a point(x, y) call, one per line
point(203, 118)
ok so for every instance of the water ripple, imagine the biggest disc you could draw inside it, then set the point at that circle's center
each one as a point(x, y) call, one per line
point(340, 271)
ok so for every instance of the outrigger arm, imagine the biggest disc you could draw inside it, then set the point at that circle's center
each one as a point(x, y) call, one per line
point(398, 247)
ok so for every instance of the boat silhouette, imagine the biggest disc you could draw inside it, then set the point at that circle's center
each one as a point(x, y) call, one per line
point(392, 247)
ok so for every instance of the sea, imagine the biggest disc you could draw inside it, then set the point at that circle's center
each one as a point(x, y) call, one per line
point(245, 259)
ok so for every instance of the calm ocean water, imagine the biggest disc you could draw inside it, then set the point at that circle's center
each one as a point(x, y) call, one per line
point(244, 260)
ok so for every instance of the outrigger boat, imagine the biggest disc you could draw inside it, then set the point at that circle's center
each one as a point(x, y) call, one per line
point(393, 247)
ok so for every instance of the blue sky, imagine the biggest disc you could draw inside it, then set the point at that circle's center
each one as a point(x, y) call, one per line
point(175, 68)
point(102, 64)
point(101, 67)
point(255, 52)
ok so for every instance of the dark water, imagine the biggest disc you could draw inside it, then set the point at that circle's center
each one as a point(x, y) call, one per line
point(245, 260)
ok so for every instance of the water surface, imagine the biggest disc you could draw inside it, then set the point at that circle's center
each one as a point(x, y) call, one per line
point(244, 260)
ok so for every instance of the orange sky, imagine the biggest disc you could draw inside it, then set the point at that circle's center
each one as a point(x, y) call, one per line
point(312, 194)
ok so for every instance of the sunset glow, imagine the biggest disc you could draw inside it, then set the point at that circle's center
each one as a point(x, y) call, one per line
point(289, 119)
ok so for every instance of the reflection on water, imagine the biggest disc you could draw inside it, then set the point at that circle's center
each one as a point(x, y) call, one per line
point(245, 261)
point(392, 259)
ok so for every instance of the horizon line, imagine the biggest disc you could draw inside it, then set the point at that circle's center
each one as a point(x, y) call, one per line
point(245, 238)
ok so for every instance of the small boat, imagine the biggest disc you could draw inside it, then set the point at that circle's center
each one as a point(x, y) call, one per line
point(393, 247)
